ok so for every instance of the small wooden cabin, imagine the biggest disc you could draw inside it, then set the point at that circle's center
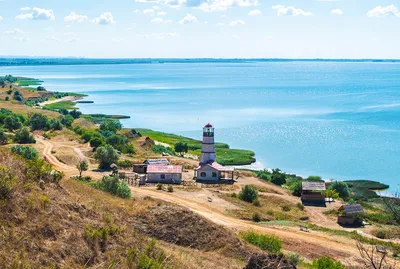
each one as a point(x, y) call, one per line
point(213, 172)
point(167, 174)
point(351, 215)
point(142, 167)
point(313, 193)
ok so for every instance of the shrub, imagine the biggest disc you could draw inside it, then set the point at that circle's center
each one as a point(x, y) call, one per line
point(314, 178)
point(106, 155)
point(248, 194)
point(26, 152)
point(125, 164)
point(55, 124)
point(7, 98)
point(264, 174)
point(286, 208)
point(269, 243)
point(170, 188)
point(111, 125)
point(256, 217)
point(7, 181)
point(256, 202)
point(296, 188)
point(12, 122)
point(293, 258)
point(3, 137)
point(341, 188)
point(160, 149)
point(234, 195)
point(23, 136)
point(112, 185)
point(38, 122)
point(67, 120)
point(300, 206)
point(181, 148)
point(332, 194)
point(96, 142)
point(38, 170)
point(326, 263)
point(159, 186)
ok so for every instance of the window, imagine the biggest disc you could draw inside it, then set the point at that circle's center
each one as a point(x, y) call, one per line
point(162, 176)
point(214, 174)
point(203, 174)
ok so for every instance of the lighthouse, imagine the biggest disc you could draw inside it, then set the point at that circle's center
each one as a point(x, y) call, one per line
point(208, 147)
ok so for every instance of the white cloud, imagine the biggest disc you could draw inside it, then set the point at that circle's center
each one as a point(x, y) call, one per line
point(136, 11)
point(72, 40)
point(254, 12)
point(220, 24)
point(38, 14)
point(160, 20)
point(189, 18)
point(156, 8)
point(76, 17)
point(290, 11)
point(380, 11)
point(158, 35)
point(237, 22)
point(161, 13)
point(17, 34)
point(149, 11)
point(105, 19)
point(337, 11)
point(205, 5)
point(25, 8)
point(236, 36)
point(1, 18)
point(53, 38)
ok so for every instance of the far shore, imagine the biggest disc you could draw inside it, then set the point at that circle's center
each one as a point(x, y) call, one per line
point(65, 98)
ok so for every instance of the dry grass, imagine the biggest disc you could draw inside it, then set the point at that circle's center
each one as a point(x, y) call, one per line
point(66, 155)
point(25, 110)
point(84, 123)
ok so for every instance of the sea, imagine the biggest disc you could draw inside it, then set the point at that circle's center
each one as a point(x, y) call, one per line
point(338, 120)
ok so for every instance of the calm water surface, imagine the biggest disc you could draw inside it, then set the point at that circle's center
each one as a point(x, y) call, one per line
point(337, 120)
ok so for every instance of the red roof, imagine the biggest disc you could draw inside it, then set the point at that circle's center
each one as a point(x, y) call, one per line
point(164, 169)
point(208, 125)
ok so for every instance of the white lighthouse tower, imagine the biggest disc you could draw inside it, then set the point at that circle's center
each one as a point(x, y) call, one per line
point(208, 148)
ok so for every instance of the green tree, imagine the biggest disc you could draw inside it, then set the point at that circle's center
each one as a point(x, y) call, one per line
point(7, 182)
point(24, 151)
point(326, 263)
point(38, 122)
point(96, 142)
point(341, 188)
point(248, 194)
point(55, 124)
point(106, 155)
point(82, 166)
point(295, 187)
point(112, 185)
point(7, 98)
point(277, 177)
point(67, 120)
point(181, 148)
point(12, 122)
point(23, 136)
point(314, 178)
point(116, 140)
point(111, 125)
point(3, 137)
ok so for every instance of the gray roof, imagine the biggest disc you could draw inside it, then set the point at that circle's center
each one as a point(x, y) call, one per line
point(161, 161)
point(353, 209)
point(313, 186)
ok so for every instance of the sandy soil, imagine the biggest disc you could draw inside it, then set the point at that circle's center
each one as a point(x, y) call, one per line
point(65, 98)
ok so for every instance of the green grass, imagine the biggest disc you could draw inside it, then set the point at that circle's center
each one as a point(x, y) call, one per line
point(225, 155)
point(105, 116)
point(69, 105)
point(77, 94)
point(29, 82)
point(365, 189)
point(270, 243)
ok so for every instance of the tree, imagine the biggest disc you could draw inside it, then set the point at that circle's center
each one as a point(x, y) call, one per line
point(111, 125)
point(55, 124)
point(82, 166)
point(314, 178)
point(38, 122)
point(341, 188)
point(12, 122)
point(26, 152)
point(181, 148)
point(393, 206)
point(3, 137)
point(248, 194)
point(116, 140)
point(96, 142)
point(23, 136)
point(373, 258)
point(67, 120)
point(278, 178)
point(106, 155)
point(296, 188)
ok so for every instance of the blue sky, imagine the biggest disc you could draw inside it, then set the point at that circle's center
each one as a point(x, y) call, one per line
point(201, 28)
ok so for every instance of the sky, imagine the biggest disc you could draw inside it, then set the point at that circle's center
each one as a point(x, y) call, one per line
point(201, 28)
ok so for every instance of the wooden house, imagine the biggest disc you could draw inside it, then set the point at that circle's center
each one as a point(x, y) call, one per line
point(313, 193)
point(142, 167)
point(167, 174)
point(351, 215)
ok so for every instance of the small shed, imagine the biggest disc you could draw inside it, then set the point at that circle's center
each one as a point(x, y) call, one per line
point(313, 193)
point(140, 168)
point(161, 161)
point(213, 172)
point(352, 215)
point(167, 174)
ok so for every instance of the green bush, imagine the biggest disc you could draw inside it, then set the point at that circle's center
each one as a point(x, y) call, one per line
point(96, 142)
point(67, 120)
point(125, 164)
point(112, 184)
point(170, 188)
point(341, 188)
point(3, 137)
point(300, 206)
point(111, 125)
point(256, 203)
point(234, 195)
point(296, 188)
point(23, 136)
point(248, 194)
point(286, 208)
point(159, 186)
point(38, 122)
point(181, 148)
point(7, 182)
point(314, 178)
point(160, 149)
point(278, 178)
point(326, 263)
point(26, 152)
point(269, 243)
point(264, 174)
point(12, 122)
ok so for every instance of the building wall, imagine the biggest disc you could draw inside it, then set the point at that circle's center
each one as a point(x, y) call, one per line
point(169, 178)
point(208, 170)
point(208, 150)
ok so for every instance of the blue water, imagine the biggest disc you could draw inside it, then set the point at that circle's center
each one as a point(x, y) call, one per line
point(336, 120)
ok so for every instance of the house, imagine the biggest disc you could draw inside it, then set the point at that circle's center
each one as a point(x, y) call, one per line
point(351, 215)
point(167, 174)
point(142, 167)
point(313, 193)
point(209, 171)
